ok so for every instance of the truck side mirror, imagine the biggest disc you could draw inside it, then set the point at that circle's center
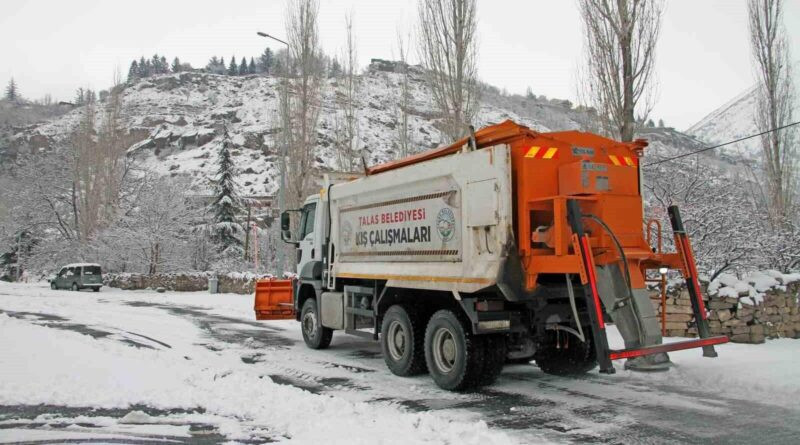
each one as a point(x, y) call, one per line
point(286, 228)
point(285, 223)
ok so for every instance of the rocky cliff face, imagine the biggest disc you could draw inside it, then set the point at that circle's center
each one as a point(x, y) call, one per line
point(176, 119)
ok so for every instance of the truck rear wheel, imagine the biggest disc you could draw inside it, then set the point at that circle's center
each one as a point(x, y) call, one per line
point(564, 354)
point(495, 350)
point(403, 340)
point(315, 335)
point(455, 357)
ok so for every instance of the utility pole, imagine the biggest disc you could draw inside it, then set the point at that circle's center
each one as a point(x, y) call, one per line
point(281, 188)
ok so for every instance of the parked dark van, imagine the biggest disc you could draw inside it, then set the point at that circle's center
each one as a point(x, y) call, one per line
point(78, 276)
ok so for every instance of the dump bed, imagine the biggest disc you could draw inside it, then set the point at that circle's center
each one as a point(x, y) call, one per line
point(442, 224)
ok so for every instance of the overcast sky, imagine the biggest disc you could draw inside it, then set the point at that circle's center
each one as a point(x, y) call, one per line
point(56, 46)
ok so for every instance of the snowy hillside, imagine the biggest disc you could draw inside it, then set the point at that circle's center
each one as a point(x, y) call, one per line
point(177, 117)
point(734, 120)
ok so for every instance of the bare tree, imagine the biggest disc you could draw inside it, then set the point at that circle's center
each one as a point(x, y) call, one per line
point(99, 165)
point(301, 106)
point(774, 103)
point(348, 149)
point(156, 235)
point(617, 78)
point(403, 102)
point(448, 52)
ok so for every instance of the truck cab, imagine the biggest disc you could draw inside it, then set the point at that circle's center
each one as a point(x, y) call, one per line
point(306, 231)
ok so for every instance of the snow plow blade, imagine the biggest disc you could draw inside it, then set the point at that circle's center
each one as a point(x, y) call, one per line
point(667, 347)
point(274, 300)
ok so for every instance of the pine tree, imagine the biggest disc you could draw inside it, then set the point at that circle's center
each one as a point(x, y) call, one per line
point(251, 69)
point(176, 65)
point(155, 64)
point(226, 204)
point(164, 65)
point(266, 61)
point(232, 68)
point(143, 68)
point(243, 67)
point(133, 72)
point(12, 94)
point(80, 96)
point(661, 123)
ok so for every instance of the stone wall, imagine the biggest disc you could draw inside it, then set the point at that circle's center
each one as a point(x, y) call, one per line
point(748, 310)
point(189, 282)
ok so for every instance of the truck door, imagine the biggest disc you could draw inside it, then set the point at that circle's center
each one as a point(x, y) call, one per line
point(306, 251)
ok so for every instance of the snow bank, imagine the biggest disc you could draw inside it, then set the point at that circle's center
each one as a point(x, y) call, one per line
point(752, 286)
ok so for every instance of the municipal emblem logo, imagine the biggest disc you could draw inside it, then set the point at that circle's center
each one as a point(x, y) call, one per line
point(446, 224)
point(347, 232)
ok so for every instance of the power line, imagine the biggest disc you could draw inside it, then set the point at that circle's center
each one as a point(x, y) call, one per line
point(720, 145)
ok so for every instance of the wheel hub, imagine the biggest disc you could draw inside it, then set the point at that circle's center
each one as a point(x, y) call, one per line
point(310, 324)
point(444, 350)
point(397, 340)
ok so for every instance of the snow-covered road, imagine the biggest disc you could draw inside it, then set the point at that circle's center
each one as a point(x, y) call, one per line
point(137, 366)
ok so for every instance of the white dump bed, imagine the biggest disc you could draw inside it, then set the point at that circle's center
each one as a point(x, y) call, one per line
point(441, 224)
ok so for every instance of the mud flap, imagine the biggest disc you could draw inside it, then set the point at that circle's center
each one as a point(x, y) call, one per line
point(274, 300)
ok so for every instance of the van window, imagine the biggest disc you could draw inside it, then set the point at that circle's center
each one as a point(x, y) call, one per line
point(307, 222)
point(71, 271)
point(62, 272)
point(91, 270)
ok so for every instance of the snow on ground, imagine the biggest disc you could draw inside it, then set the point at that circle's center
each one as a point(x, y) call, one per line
point(139, 364)
point(39, 365)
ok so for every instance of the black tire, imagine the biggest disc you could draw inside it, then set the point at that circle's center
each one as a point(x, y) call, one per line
point(95, 289)
point(453, 355)
point(496, 349)
point(403, 340)
point(75, 287)
point(53, 285)
point(572, 357)
point(315, 335)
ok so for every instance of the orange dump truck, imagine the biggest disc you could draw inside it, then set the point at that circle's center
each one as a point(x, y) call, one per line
point(508, 245)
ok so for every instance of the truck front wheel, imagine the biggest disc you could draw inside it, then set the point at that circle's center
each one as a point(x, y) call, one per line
point(403, 340)
point(315, 335)
point(455, 357)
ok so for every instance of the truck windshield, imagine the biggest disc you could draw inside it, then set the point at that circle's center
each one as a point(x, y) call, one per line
point(91, 270)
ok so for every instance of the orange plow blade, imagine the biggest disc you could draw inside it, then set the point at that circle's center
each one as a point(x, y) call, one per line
point(274, 300)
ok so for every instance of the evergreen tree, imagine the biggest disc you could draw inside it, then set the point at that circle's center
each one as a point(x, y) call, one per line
point(661, 123)
point(176, 65)
point(252, 68)
point(12, 93)
point(143, 68)
point(232, 68)
point(243, 67)
point(133, 72)
point(80, 96)
point(266, 61)
point(226, 204)
point(155, 65)
point(164, 65)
